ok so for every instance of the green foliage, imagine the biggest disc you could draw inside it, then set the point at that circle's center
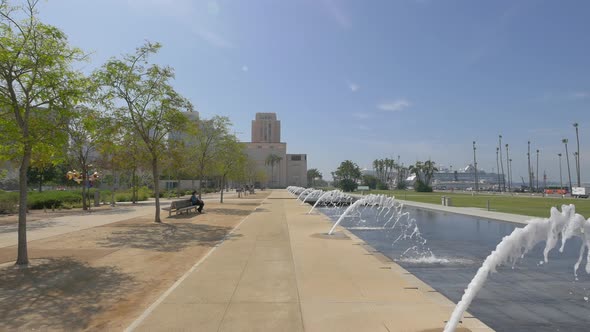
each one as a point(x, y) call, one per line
point(371, 181)
point(8, 202)
point(348, 170)
point(312, 175)
point(347, 185)
point(143, 194)
point(420, 186)
point(54, 199)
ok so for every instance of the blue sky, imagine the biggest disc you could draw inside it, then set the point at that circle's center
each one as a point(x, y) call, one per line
point(362, 80)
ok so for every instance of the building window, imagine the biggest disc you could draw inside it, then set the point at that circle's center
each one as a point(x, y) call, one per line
point(296, 157)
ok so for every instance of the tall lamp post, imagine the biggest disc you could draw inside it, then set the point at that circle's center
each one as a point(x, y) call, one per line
point(498, 169)
point(537, 170)
point(577, 154)
point(508, 168)
point(501, 163)
point(530, 169)
point(475, 166)
point(560, 177)
point(567, 158)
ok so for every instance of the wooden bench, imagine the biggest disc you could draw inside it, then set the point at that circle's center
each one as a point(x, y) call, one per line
point(181, 206)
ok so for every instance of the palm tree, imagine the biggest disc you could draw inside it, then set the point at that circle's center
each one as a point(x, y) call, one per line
point(567, 158)
point(272, 159)
point(577, 154)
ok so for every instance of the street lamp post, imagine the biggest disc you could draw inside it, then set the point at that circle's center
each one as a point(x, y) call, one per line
point(529, 169)
point(501, 162)
point(508, 168)
point(475, 166)
point(560, 177)
point(537, 170)
point(578, 155)
point(498, 169)
point(567, 158)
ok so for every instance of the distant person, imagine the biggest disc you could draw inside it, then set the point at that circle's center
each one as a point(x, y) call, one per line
point(197, 201)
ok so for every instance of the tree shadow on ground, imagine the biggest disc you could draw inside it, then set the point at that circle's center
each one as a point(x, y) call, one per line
point(165, 237)
point(31, 226)
point(228, 211)
point(247, 204)
point(58, 294)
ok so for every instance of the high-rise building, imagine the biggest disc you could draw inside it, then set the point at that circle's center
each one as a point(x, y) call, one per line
point(286, 169)
point(266, 128)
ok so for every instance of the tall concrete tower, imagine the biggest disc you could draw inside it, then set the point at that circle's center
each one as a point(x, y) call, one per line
point(266, 128)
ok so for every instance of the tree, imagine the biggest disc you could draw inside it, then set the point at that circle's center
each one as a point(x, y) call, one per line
point(348, 173)
point(205, 143)
point(152, 108)
point(312, 175)
point(371, 181)
point(38, 88)
point(272, 159)
point(85, 133)
point(424, 172)
point(231, 160)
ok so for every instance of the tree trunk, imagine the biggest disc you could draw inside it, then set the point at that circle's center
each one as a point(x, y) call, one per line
point(133, 186)
point(222, 186)
point(156, 188)
point(201, 181)
point(84, 186)
point(23, 256)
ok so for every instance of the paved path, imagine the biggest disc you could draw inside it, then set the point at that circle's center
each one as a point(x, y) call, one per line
point(278, 271)
point(476, 212)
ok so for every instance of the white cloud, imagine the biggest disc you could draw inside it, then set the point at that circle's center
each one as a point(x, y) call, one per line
point(353, 86)
point(244, 68)
point(394, 106)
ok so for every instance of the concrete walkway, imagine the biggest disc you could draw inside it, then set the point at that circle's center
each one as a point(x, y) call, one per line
point(476, 212)
point(278, 271)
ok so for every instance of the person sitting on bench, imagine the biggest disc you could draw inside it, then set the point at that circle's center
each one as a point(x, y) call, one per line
point(197, 201)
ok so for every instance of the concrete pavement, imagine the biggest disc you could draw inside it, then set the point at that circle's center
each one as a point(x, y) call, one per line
point(278, 271)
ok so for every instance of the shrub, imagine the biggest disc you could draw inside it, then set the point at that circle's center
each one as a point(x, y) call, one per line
point(347, 185)
point(8, 202)
point(54, 199)
point(422, 187)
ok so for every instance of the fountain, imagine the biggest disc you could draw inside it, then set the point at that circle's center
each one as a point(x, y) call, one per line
point(388, 214)
point(304, 193)
point(566, 224)
point(315, 194)
point(332, 198)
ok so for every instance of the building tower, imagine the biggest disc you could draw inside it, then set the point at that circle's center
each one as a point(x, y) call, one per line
point(266, 128)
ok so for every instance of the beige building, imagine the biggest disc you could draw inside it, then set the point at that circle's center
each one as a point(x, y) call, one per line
point(289, 169)
point(266, 128)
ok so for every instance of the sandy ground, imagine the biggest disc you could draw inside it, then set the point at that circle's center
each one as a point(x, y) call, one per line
point(102, 278)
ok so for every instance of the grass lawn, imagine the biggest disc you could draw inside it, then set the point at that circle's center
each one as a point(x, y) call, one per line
point(523, 204)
